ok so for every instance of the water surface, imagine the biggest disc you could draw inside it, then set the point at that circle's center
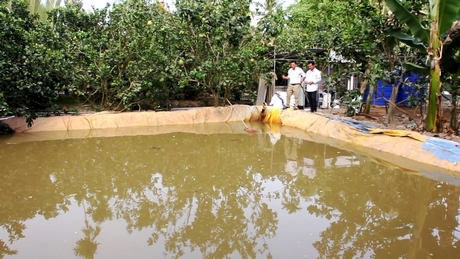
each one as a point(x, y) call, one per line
point(182, 195)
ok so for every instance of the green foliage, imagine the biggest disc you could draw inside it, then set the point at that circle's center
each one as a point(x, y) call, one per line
point(271, 21)
point(370, 35)
point(412, 21)
point(441, 47)
point(30, 63)
point(113, 62)
point(353, 102)
point(452, 84)
point(218, 51)
point(5, 129)
point(131, 54)
point(405, 38)
point(357, 36)
point(351, 34)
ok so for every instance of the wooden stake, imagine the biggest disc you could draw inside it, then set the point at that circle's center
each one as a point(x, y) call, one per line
point(242, 120)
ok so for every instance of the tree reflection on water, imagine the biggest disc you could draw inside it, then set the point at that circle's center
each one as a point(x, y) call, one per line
point(86, 247)
point(208, 193)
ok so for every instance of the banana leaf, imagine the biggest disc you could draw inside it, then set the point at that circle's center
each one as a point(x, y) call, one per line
point(406, 38)
point(424, 70)
point(404, 16)
point(449, 11)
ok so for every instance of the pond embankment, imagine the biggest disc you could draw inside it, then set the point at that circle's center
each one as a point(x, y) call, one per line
point(405, 149)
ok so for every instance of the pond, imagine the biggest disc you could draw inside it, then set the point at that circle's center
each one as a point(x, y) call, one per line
point(184, 195)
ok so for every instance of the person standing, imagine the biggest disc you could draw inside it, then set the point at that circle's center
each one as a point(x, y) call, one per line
point(312, 78)
point(296, 75)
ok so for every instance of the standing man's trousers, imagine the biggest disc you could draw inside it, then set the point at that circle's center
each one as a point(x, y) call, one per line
point(312, 100)
point(292, 89)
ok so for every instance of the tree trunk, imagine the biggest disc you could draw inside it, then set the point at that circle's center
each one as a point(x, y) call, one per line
point(433, 118)
point(226, 95)
point(392, 106)
point(216, 100)
point(364, 85)
point(215, 94)
point(369, 98)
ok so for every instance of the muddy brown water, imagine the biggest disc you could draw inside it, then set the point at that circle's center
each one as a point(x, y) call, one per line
point(184, 195)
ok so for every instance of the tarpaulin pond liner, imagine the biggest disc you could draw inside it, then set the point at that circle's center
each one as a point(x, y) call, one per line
point(393, 146)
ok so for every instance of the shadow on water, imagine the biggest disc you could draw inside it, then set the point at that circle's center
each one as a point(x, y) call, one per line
point(219, 196)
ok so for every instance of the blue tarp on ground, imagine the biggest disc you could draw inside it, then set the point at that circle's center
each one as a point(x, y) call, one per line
point(443, 149)
point(359, 125)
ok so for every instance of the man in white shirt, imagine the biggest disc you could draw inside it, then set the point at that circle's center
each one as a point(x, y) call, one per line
point(295, 77)
point(312, 78)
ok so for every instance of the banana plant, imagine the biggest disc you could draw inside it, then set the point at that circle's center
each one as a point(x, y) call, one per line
point(439, 40)
point(374, 75)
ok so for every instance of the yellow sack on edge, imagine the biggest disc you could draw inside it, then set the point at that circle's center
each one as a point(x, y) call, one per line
point(399, 133)
point(272, 115)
